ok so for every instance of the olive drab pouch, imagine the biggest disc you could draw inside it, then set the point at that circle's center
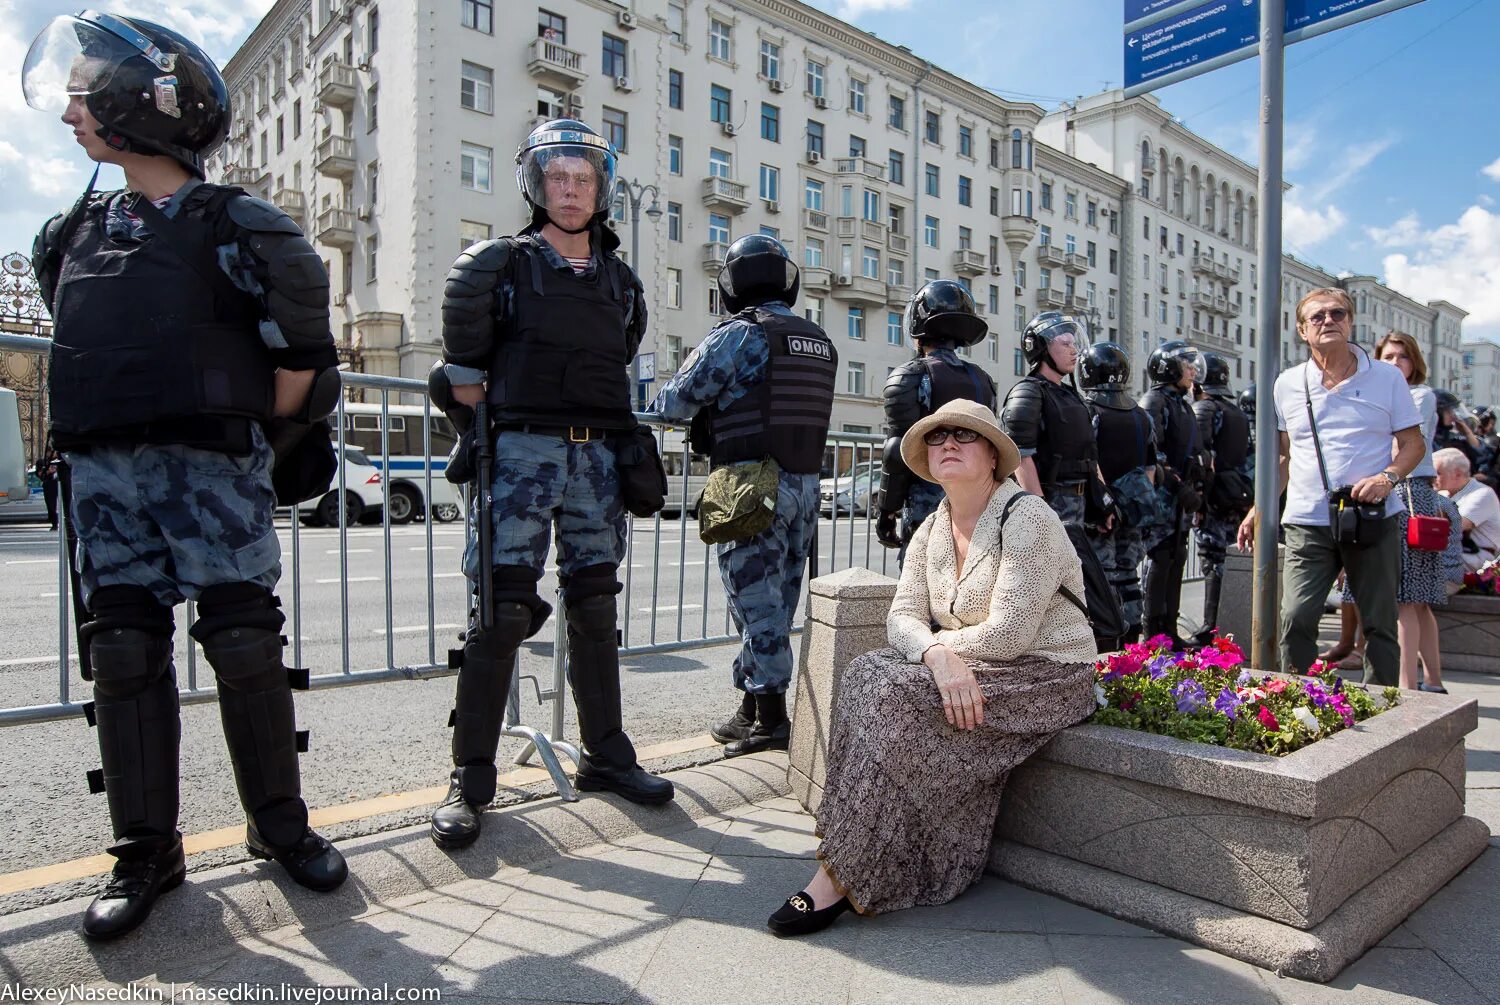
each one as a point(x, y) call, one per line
point(739, 501)
point(643, 478)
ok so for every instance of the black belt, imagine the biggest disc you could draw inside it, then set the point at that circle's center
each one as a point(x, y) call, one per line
point(1066, 488)
point(573, 434)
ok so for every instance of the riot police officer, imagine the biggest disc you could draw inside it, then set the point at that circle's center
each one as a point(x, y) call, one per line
point(1049, 421)
point(541, 327)
point(1172, 368)
point(190, 334)
point(763, 361)
point(940, 319)
point(1225, 432)
point(1126, 445)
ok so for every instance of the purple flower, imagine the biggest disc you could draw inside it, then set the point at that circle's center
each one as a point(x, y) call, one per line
point(1157, 668)
point(1190, 696)
point(1243, 679)
point(1316, 694)
point(1227, 703)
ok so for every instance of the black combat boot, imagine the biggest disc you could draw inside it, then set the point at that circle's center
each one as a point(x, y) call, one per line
point(772, 729)
point(739, 725)
point(133, 888)
point(311, 860)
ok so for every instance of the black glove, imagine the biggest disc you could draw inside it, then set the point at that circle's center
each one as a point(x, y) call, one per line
point(463, 465)
point(885, 530)
point(1188, 498)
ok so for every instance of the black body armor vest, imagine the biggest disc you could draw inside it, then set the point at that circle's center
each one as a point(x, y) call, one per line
point(786, 415)
point(564, 360)
point(144, 350)
point(1231, 445)
point(1178, 438)
point(1121, 436)
point(1066, 451)
point(964, 382)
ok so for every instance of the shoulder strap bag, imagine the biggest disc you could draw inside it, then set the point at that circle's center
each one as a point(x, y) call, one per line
point(1351, 522)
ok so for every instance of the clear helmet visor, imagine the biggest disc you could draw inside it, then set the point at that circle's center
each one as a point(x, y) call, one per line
point(568, 176)
point(1193, 358)
point(70, 58)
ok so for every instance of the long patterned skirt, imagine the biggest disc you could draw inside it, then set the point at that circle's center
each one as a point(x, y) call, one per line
point(909, 803)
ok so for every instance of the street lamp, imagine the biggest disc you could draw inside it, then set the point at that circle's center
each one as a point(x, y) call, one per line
point(634, 193)
point(1091, 318)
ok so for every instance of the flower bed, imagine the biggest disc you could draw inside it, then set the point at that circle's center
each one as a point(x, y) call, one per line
point(1483, 583)
point(1208, 697)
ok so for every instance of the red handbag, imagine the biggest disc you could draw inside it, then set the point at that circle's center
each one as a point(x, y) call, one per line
point(1425, 533)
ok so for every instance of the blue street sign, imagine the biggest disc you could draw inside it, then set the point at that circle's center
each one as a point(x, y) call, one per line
point(1137, 9)
point(1310, 18)
point(1191, 42)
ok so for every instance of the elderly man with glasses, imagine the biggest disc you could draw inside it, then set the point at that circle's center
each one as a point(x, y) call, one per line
point(1349, 433)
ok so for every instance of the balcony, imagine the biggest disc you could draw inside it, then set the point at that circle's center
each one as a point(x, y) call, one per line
point(899, 243)
point(1051, 254)
point(1075, 263)
point(1017, 231)
point(725, 195)
point(714, 254)
point(1202, 301)
point(968, 262)
point(555, 64)
point(1221, 306)
point(1204, 264)
point(336, 157)
point(1148, 164)
point(246, 177)
point(291, 202)
point(897, 294)
point(336, 84)
point(336, 228)
point(1210, 342)
point(872, 170)
point(1076, 302)
point(1047, 296)
point(1226, 272)
point(860, 228)
point(859, 289)
point(814, 219)
point(816, 280)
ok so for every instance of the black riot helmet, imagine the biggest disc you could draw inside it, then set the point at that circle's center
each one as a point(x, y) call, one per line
point(1247, 401)
point(1165, 364)
point(943, 311)
point(152, 91)
point(756, 269)
point(571, 151)
point(1214, 377)
point(1104, 372)
point(1447, 401)
point(1037, 338)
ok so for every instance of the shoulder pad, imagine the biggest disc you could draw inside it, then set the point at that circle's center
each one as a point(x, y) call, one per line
point(905, 378)
point(258, 215)
point(1025, 391)
point(47, 237)
point(487, 256)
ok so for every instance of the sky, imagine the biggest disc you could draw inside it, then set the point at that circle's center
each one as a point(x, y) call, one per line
point(1392, 126)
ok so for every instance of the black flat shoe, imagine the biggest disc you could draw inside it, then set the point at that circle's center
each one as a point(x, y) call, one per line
point(132, 891)
point(313, 861)
point(455, 823)
point(797, 916)
point(634, 783)
point(1424, 686)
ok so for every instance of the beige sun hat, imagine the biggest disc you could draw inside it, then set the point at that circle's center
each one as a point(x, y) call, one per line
point(964, 414)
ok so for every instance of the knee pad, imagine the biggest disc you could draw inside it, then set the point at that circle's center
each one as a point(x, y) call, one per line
point(590, 581)
point(129, 638)
point(516, 584)
point(239, 627)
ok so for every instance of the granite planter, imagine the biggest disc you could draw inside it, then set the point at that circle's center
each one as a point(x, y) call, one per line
point(1295, 863)
point(1469, 627)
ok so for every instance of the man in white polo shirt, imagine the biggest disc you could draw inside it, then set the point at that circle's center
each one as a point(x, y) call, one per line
point(1477, 505)
point(1360, 406)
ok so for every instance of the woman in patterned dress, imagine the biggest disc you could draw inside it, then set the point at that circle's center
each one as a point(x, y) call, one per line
point(988, 659)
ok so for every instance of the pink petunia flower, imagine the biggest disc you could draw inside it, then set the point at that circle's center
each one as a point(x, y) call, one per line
point(1268, 719)
point(1275, 685)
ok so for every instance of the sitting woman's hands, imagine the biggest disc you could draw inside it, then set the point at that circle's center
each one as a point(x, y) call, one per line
point(963, 702)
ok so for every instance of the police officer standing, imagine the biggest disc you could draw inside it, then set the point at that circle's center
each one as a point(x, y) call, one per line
point(1049, 421)
point(1126, 446)
point(1172, 368)
point(764, 361)
point(1225, 432)
point(940, 319)
point(541, 326)
point(190, 330)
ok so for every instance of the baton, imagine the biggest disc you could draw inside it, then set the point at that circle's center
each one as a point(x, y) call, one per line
point(75, 579)
point(484, 452)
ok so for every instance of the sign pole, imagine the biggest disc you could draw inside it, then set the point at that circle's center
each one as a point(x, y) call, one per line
point(1263, 653)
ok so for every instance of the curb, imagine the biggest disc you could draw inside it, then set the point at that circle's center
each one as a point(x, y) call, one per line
point(218, 908)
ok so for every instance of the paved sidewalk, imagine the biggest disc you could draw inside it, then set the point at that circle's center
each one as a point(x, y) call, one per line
point(680, 917)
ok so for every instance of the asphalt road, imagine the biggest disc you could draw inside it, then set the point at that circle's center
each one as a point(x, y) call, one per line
point(371, 739)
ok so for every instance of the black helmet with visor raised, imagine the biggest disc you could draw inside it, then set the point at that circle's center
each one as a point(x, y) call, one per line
point(565, 158)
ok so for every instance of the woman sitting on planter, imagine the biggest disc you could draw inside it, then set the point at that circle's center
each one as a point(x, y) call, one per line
point(988, 660)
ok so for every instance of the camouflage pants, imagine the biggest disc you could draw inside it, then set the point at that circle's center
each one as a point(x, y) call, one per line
point(541, 482)
point(1213, 535)
point(763, 579)
point(922, 499)
point(173, 519)
point(1120, 554)
point(1068, 505)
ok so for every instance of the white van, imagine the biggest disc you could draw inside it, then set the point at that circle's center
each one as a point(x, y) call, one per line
point(13, 486)
point(409, 461)
point(363, 494)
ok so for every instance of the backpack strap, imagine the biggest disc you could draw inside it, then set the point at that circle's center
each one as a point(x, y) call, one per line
point(1072, 597)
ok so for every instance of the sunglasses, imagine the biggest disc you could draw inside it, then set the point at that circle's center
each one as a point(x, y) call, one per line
point(936, 437)
point(1335, 315)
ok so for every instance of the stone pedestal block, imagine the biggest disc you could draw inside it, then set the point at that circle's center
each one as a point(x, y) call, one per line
point(1237, 598)
point(847, 620)
point(1470, 631)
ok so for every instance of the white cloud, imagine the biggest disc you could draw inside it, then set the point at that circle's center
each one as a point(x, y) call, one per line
point(1458, 262)
point(1304, 226)
point(1492, 169)
point(1401, 234)
point(1341, 172)
point(850, 9)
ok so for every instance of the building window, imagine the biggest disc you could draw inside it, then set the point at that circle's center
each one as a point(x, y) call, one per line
point(965, 238)
point(476, 87)
point(720, 164)
point(858, 92)
point(474, 167)
point(870, 263)
point(966, 141)
point(1020, 318)
point(280, 134)
point(471, 233)
point(815, 137)
point(1070, 206)
point(931, 175)
point(1044, 235)
point(479, 15)
point(856, 146)
point(1044, 279)
point(932, 127)
point(815, 75)
point(718, 228)
point(872, 206)
point(896, 168)
point(615, 60)
point(1020, 275)
point(1018, 360)
point(813, 310)
point(674, 155)
point(770, 122)
point(676, 19)
point(372, 32)
point(372, 107)
point(674, 289)
point(893, 331)
point(1017, 159)
point(896, 219)
point(896, 117)
point(1070, 244)
point(372, 183)
point(895, 273)
point(372, 253)
point(674, 89)
point(812, 253)
point(1092, 219)
point(930, 231)
point(770, 60)
point(1047, 195)
point(718, 103)
point(812, 196)
point(855, 383)
point(965, 191)
point(616, 128)
point(856, 331)
point(720, 39)
point(770, 183)
point(296, 118)
point(674, 221)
